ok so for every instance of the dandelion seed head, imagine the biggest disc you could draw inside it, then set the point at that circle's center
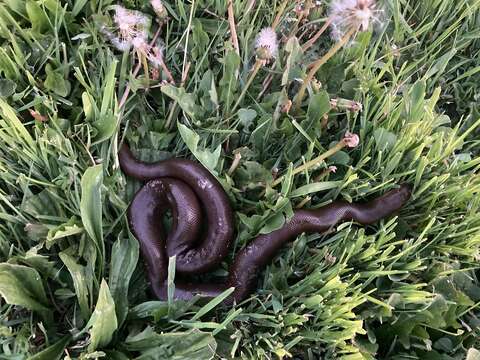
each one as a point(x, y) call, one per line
point(335, 32)
point(121, 45)
point(159, 9)
point(140, 44)
point(129, 20)
point(266, 44)
point(157, 4)
point(131, 27)
point(356, 14)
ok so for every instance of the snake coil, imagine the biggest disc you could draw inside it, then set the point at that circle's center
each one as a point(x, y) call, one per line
point(187, 189)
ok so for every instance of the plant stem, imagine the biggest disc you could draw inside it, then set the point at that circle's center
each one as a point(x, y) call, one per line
point(280, 13)
point(124, 98)
point(315, 37)
point(259, 63)
point(256, 68)
point(233, 28)
point(312, 163)
point(167, 72)
point(303, 202)
point(189, 27)
point(318, 64)
point(170, 116)
point(126, 93)
point(173, 108)
point(236, 161)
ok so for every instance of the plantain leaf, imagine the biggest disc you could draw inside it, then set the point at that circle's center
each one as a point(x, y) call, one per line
point(229, 82)
point(415, 101)
point(384, 139)
point(107, 121)
point(40, 204)
point(53, 352)
point(32, 259)
point(185, 100)
point(275, 222)
point(318, 106)
point(103, 322)
point(7, 87)
point(22, 285)
point(56, 82)
point(208, 158)
point(82, 282)
point(69, 228)
point(294, 50)
point(37, 16)
point(91, 203)
point(17, 6)
point(12, 124)
point(123, 263)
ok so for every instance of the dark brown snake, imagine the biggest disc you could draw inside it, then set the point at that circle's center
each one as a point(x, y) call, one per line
point(189, 190)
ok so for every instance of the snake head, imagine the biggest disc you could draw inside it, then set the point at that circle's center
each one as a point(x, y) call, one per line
point(404, 192)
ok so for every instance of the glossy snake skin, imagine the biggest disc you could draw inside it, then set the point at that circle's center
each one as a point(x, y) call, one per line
point(203, 227)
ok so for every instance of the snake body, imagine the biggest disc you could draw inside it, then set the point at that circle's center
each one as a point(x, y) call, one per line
point(189, 190)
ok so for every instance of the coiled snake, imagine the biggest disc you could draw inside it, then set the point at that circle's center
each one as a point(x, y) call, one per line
point(191, 193)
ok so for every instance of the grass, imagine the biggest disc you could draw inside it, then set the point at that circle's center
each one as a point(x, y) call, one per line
point(71, 281)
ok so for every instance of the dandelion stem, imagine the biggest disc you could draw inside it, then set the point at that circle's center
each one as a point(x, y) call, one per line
point(174, 106)
point(296, 26)
point(266, 83)
point(168, 124)
point(280, 13)
point(135, 72)
point(256, 68)
point(167, 72)
point(143, 60)
point(187, 37)
point(312, 163)
point(233, 28)
point(315, 37)
point(124, 97)
point(318, 64)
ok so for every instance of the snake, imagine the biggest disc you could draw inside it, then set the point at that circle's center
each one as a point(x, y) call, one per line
point(202, 226)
